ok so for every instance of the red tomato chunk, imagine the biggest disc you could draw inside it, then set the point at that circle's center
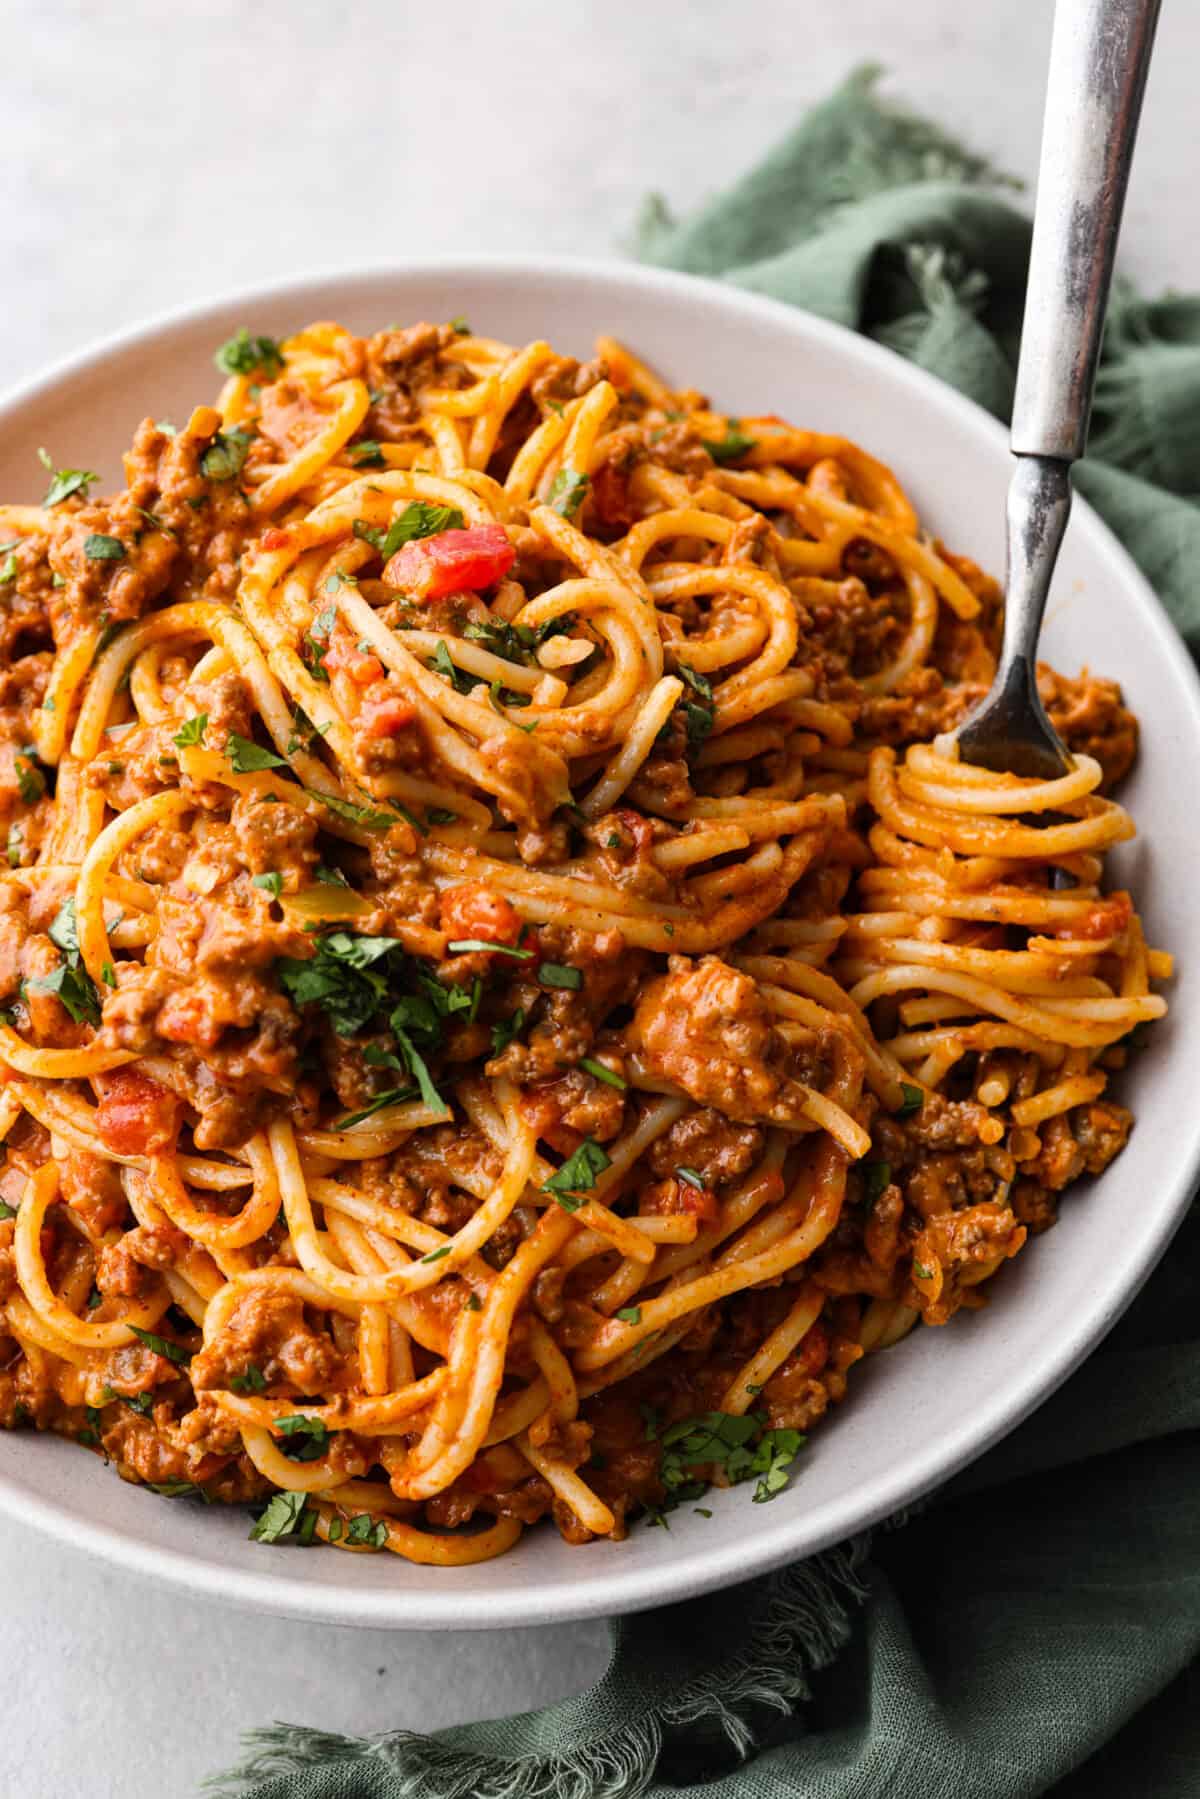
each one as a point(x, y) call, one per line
point(452, 562)
point(474, 913)
point(137, 1117)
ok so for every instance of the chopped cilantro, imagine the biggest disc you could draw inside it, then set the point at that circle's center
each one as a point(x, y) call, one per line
point(246, 355)
point(602, 1073)
point(307, 1438)
point(443, 664)
point(280, 1518)
point(346, 977)
point(630, 1314)
point(560, 974)
point(8, 571)
point(162, 1346)
point(366, 453)
point(507, 1031)
point(6, 1211)
point(922, 1273)
point(912, 1101)
point(191, 731)
point(271, 882)
point(568, 490)
point(463, 946)
point(578, 1174)
point(225, 455)
point(65, 481)
point(393, 1097)
point(367, 1532)
point(251, 1380)
point(99, 548)
point(698, 713)
point(370, 817)
point(876, 1177)
point(502, 696)
point(419, 519)
point(247, 758)
point(735, 443)
point(460, 326)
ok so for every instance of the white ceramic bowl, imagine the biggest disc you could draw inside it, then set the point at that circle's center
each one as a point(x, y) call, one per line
point(922, 1411)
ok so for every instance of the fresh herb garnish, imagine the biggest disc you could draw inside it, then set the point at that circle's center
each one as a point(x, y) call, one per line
point(699, 712)
point(601, 1073)
point(6, 1211)
point(578, 1174)
point(367, 1532)
point(247, 758)
point(560, 974)
point(443, 664)
point(419, 519)
point(876, 1178)
point(516, 643)
point(191, 731)
point(65, 481)
point(251, 1380)
point(307, 1438)
point(366, 453)
point(31, 782)
point(507, 1031)
point(369, 817)
point(280, 1518)
point(271, 882)
point(436, 1255)
point(568, 490)
point(735, 443)
point(347, 978)
point(393, 1097)
point(224, 458)
point(912, 1100)
point(463, 946)
point(141, 1403)
point(97, 547)
point(502, 696)
point(246, 355)
point(162, 1346)
point(691, 1178)
point(630, 1314)
point(736, 1444)
point(70, 981)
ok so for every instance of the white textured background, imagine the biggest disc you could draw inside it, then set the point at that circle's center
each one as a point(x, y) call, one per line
point(164, 150)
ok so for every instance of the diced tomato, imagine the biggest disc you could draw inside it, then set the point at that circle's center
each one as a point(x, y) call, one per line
point(474, 911)
point(452, 562)
point(189, 1017)
point(275, 538)
point(386, 714)
point(344, 656)
point(137, 1117)
point(674, 1198)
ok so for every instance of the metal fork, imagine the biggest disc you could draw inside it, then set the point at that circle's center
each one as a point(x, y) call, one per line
point(1099, 56)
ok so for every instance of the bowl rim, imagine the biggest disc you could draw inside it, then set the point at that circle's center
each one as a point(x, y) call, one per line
point(930, 1466)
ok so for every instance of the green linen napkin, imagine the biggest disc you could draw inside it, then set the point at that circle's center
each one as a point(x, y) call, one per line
point(1033, 1629)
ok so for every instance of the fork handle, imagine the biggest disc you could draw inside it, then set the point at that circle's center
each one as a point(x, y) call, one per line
point(1099, 56)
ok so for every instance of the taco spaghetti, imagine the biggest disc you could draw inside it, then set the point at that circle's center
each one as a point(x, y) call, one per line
point(509, 990)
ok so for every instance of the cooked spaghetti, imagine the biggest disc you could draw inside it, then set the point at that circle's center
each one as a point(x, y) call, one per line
point(509, 990)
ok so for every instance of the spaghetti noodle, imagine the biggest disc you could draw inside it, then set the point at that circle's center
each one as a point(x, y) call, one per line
point(510, 991)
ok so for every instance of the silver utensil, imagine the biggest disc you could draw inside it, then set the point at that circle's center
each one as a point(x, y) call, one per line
point(1099, 56)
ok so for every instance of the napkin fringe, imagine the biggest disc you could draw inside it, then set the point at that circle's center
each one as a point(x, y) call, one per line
point(806, 1621)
